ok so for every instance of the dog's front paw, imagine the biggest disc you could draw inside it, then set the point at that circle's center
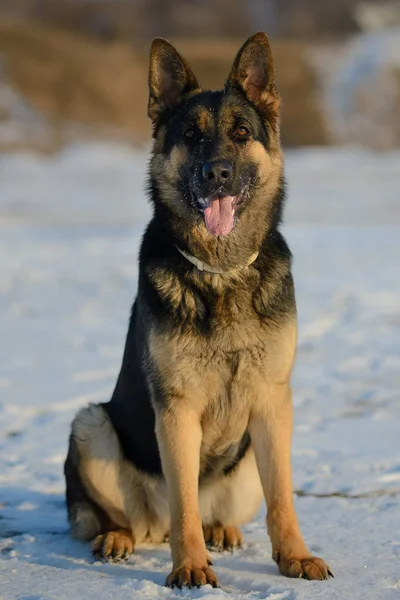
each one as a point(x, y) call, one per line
point(310, 567)
point(190, 577)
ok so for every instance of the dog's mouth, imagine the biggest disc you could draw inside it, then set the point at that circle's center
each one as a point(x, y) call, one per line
point(219, 214)
point(219, 211)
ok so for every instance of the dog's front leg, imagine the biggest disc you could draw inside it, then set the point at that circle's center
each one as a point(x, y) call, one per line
point(179, 437)
point(270, 429)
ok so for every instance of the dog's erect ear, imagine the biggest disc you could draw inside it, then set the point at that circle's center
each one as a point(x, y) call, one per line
point(253, 72)
point(170, 79)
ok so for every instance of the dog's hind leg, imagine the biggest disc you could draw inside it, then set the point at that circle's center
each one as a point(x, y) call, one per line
point(230, 501)
point(86, 519)
point(108, 499)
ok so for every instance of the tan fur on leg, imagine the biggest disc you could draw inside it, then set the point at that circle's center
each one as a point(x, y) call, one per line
point(271, 432)
point(179, 437)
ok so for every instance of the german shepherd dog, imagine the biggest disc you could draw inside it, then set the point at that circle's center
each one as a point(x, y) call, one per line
point(199, 426)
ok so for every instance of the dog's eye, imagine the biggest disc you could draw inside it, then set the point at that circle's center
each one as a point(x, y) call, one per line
point(242, 131)
point(189, 132)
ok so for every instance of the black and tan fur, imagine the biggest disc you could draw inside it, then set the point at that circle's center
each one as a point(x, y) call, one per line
point(199, 426)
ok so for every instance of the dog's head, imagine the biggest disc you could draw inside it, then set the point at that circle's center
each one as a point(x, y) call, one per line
point(216, 155)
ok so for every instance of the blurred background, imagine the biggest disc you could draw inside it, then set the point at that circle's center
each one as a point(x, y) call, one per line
point(74, 144)
point(78, 68)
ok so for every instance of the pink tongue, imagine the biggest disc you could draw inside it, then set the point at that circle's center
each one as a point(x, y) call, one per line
point(219, 216)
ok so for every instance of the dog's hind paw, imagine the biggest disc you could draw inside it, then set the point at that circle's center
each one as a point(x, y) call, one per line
point(222, 538)
point(114, 545)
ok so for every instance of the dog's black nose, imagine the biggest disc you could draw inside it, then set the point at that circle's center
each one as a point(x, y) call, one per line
point(219, 171)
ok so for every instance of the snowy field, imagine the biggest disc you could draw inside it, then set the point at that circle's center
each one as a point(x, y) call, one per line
point(70, 226)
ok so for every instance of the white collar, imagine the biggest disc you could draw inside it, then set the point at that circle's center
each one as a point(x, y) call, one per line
point(202, 266)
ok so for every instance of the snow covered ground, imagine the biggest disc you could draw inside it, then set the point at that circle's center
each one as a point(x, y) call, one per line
point(70, 227)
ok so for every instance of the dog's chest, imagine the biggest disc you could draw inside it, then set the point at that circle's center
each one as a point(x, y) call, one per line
point(220, 384)
point(227, 405)
point(232, 325)
point(234, 383)
point(224, 365)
